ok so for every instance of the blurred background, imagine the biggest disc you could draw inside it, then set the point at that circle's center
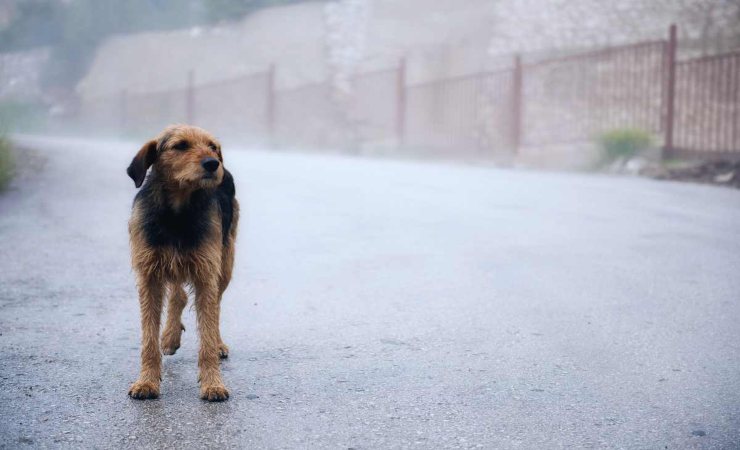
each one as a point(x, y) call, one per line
point(532, 82)
point(379, 300)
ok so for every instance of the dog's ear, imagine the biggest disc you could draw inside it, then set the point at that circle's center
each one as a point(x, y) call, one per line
point(141, 162)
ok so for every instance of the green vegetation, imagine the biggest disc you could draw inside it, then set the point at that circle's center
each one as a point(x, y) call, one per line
point(624, 143)
point(74, 28)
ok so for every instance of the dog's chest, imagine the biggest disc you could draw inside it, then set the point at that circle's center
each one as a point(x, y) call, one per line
point(184, 229)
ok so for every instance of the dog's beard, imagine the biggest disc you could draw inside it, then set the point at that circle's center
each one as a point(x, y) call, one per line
point(208, 183)
point(198, 182)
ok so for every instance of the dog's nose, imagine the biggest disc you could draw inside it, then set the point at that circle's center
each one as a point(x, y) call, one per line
point(210, 164)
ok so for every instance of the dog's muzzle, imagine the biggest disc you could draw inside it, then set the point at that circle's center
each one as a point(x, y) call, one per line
point(210, 164)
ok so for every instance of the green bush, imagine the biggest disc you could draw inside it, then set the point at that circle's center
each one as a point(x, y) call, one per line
point(624, 143)
point(6, 163)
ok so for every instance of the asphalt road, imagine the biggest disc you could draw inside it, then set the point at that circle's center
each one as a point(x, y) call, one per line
point(380, 304)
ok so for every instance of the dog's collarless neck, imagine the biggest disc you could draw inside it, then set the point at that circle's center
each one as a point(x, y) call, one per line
point(176, 200)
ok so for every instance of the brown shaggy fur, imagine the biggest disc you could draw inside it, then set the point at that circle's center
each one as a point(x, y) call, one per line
point(182, 231)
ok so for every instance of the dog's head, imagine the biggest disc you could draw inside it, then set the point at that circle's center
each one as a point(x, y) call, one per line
point(184, 156)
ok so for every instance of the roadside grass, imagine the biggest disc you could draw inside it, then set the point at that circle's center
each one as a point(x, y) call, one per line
point(7, 165)
point(624, 143)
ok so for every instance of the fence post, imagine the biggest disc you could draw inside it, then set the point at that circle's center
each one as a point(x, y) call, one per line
point(670, 81)
point(190, 98)
point(516, 104)
point(270, 103)
point(124, 111)
point(401, 102)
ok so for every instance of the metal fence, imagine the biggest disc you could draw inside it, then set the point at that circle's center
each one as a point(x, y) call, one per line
point(692, 106)
point(578, 97)
point(707, 106)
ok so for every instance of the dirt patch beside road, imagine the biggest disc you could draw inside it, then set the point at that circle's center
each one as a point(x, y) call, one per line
point(723, 173)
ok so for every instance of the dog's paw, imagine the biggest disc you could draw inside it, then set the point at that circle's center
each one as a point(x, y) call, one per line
point(170, 347)
point(171, 340)
point(142, 390)
point(223, 351)
point(216, 393)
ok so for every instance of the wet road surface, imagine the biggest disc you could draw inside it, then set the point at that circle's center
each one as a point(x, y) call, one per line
point(380, 304)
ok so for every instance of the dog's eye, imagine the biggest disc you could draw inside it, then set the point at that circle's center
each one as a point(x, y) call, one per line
point(181, 146)
point(212, 146)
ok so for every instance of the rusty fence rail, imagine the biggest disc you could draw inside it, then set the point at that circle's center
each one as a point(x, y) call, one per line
point(691, 106)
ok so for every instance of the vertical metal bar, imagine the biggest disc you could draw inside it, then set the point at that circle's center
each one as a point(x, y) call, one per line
point(657, 82)
point(690, 123)
point(648, 64)
point(448, 136)
point(635, 91)
point(683, 104)
point(735, 74)
point(719, 102)
point(712, 105)
point(610, 88)
point(401, 102)
point(709, 106)
point(643, 98)
point(649, 85)
point(270, 103)
point(582, 97)
point(725, 99)
point(590, 71)
point(599, 94)
point(716, 100)
point(631, 63)
point(662, 77)
point(702, 83)
point(700, 73)
point(190, 98)
point(634, 109)
point(671, 87)
point(124, 111)
point(516, 104)
point(616, 81)
point(627, 84)
point(688, 128)
point(656, 87)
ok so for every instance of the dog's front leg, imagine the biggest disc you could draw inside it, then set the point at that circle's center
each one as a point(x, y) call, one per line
point(207, 308)
point(150, 302)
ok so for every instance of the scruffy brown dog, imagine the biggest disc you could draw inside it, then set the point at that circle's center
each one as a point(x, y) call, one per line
point(182, 231)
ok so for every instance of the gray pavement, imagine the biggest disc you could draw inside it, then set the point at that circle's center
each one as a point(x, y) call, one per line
point(380, 304)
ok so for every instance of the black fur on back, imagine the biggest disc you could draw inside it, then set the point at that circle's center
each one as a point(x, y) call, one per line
point(186, 228)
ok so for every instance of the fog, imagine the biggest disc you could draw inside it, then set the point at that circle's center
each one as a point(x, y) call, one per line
point(429, 78)
point(458, 224)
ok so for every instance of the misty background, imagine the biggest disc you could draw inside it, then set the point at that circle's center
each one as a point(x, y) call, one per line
point(399, 280)
point(421, 77)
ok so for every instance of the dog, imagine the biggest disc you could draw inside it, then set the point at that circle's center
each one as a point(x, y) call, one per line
point(182, 232)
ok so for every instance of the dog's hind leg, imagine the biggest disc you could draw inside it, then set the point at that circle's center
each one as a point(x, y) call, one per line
point(223, 349)
point(227, 266)
point(178, 298)
point(150, 301)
